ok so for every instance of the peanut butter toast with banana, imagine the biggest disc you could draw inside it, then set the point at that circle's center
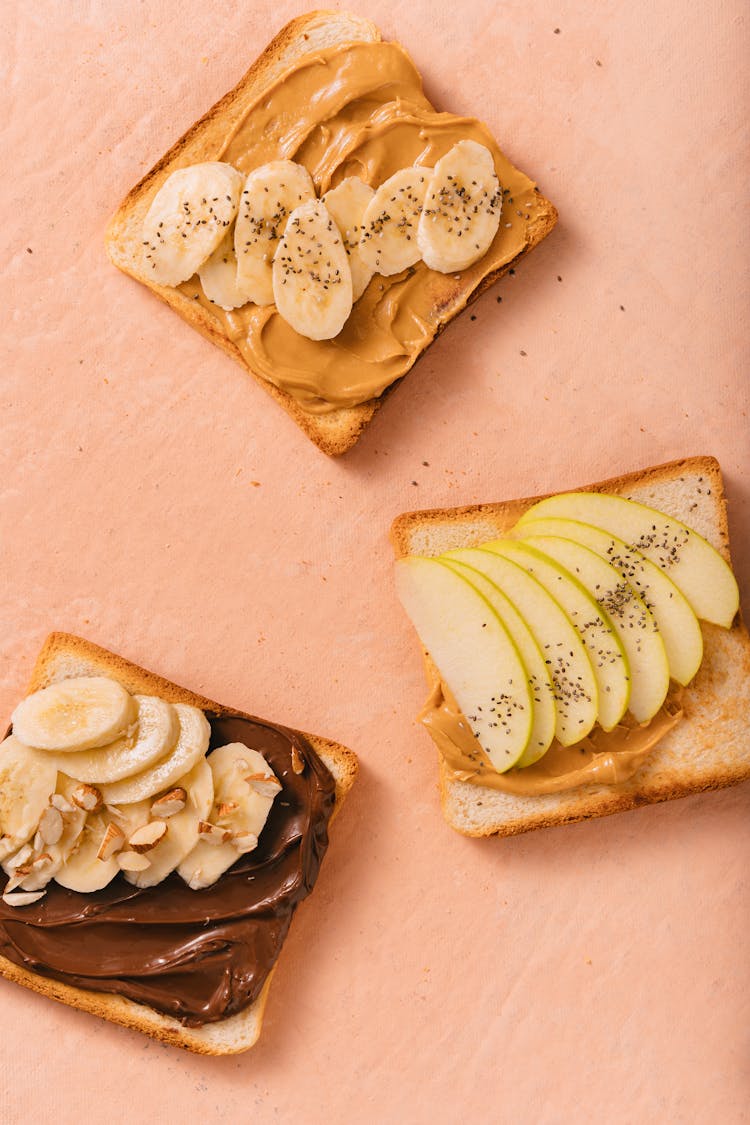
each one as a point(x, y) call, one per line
point(584, 651)
point(323, 222)
point(155, 847)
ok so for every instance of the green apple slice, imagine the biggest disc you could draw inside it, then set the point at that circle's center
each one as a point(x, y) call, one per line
point(595, 628)
point(473, 653)
point(631, 617)
point(677, 624)
point(540, 682)
point(573, 681)
point(694, 566)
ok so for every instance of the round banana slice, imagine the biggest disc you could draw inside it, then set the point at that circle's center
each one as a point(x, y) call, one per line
point(244, 790)
point(182, 828)
point(312, 281)
point(461, 209)
point(218, 276)
point(270, 194)
point(27, 780)
point(46, 859)
point(75, 714)
point(347, 204)
point(187, 219)
point(388, 243)
point(154, 736)
point(192, 744)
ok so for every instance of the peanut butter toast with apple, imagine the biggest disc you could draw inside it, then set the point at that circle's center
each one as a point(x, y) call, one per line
point(585, 651)
point(323, 222)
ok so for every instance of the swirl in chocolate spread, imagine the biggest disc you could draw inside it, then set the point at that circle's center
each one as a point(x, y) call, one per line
point(199, 956)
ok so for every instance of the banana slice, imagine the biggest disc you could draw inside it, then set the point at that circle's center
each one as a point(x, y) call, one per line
point(347, 204)
point(27, 780)
point(153, 736)
point(312, 281)
point(270, 194)
point(187, 219)
point(192, 744)
point(83, 870)
point(46, 859)
point(75, 714)
point(389, 225)
point(183, 831)
point(461, 209)
point(218, 276)
point(244, 790)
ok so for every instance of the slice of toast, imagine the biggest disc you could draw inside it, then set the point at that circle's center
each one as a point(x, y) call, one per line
point(709, 749)
point(336, 431)
point(63, 656)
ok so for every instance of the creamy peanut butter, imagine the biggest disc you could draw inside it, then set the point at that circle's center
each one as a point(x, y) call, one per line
point(602, 758)
point(359, 110)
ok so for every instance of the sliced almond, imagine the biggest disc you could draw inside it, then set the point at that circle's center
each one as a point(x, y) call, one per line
point(148, 836)
point(170, 804)
point(87, 797)
point(40, 862)
point(226, 808)
point(22, 898)
point(19, 859)
point(212, 834)
point(60, 803)
point(132, 861)
point(246, 843)
point(298, 762)
point(266, 784)
point(38, 842)
point(112, 840)
point(51, 825)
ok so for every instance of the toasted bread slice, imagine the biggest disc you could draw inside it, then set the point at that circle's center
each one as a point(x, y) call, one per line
point(64, 655)
point(333, 432)
point(709, 749)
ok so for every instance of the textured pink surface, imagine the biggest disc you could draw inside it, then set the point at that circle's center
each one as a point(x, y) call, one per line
point(155, 500)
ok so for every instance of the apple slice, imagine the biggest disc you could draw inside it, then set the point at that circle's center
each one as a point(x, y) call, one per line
point(633, 621)
point(694, 566)
point(677, 624)
point(540, 682)
point(595, 628)
point(473, 653)
point(573, 681)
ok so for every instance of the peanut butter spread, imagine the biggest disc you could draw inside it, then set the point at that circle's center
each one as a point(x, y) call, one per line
point(359, 110)
point(602, 758)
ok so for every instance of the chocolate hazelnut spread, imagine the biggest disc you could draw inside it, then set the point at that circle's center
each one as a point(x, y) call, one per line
point(359, 110)
point(602, 758)
point(196, 955)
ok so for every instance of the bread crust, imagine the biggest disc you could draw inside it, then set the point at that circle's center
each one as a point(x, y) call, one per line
point(709, 749)
point(335, 432)
point(63, 655)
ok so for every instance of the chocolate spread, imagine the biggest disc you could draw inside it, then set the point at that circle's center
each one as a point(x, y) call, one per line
point(196, 955)
point(359, 110)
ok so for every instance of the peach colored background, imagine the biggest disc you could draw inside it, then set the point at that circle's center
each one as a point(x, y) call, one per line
point(157, 501)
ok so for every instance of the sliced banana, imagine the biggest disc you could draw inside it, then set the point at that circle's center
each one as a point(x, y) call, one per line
point(244, 790)
point(461, 209)
point(269, 196)
point(27, 780)
point(75, 714)
point(182, 828)
point(347, 204)
point(46, 860)
point(192, 744)
point(153, 736)
point(312, 281)
point(388, 242)
point(218, 276)
point(187, 219)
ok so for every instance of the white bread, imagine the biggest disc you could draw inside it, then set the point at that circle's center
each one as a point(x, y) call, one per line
point(708, 749)
point(333, 432)
point(61, 657)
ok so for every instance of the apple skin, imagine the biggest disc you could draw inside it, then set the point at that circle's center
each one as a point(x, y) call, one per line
point(473, 653)
point(698, 570)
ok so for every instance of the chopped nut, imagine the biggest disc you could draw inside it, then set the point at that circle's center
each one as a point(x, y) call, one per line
point(266, 784)
point(40, 862)
point(38, 842)
point(19, 859)
point(170, 804)
point(132, 861)
point(112, 840)
point(22, 898)
point(148, 836)
point(245, 843)
point(87, 797)
point(226, 808)
point(212, 834)
point(51, 825)
point(298, 762)
point(60, 803)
